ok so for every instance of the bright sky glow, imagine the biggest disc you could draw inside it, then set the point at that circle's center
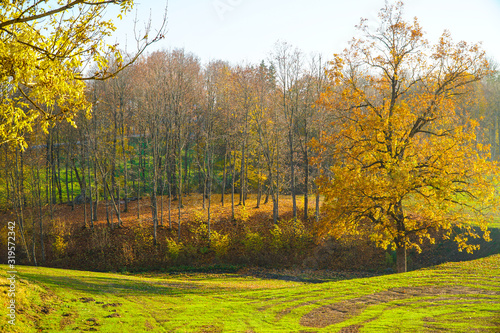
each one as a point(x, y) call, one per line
point(244, 31)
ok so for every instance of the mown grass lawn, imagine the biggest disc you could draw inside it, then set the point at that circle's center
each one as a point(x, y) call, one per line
point(454, 297)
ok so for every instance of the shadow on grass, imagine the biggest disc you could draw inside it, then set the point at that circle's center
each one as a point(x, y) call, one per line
point(447, 251)
point(120, 286)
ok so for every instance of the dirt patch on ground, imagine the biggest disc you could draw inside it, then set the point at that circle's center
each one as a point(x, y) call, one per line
point(111, 304)
point(86, 299)
point(351, 329)
point(339, 312)
point(67, 319)
point(304, 275)
point(148, 326)
point(209, 329)
point(113, 315)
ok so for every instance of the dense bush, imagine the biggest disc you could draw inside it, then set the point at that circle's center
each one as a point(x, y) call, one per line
point(251, 240)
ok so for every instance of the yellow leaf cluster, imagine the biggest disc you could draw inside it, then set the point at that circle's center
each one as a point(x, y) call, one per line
point(43, 48)
point(406, 161)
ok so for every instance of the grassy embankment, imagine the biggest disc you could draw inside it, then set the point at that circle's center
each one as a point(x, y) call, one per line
point(454, 297)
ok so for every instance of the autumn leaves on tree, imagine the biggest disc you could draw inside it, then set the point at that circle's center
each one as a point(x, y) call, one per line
point(406, 161)
point(44, 48)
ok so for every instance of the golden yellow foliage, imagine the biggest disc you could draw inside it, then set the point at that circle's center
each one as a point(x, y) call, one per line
point(405, 160)
point(44, 45)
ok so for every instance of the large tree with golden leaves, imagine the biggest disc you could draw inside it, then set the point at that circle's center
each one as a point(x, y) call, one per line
point(405, 157)
point(44, 46)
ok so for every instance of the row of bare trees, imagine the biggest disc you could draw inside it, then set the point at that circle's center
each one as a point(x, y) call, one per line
point(168, 126)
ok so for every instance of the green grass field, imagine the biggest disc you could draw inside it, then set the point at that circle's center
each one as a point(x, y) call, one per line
point(454, 297)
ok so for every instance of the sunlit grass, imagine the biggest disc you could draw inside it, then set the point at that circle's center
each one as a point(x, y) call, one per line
point(445, 297)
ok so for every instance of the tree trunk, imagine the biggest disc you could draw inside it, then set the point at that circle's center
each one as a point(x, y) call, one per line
point(232, 186)
point(91, 206)
point(125, 164)
point(47, 170)
point(139, 166)
point(72, 196)
point(401, 259)
point(106, 199)
point(276, 195)
point(316, 215)
point(33, 238)
point(292, 175)
point(34, 194)
point(40, 217)
point(179, 201)
point(84, 207)
point(242, 175)
point(21, 179)
point(306, 184)
point(125, 186)
point(161, 203)
point(169, 176)
point(186, 170)
point(268, 191)
point(113, 201)
point(204, 184)
point(139, 198)
point(113, 157)
point(58, 176)
point(275, 208)
point(259, 190)
point(120, 223)
point(154, 201)
point(83, 186)
point(96, 192)
point(154, 213)
point(209, 200)
point(19, 197)
point(401, 238)
point(224, 178)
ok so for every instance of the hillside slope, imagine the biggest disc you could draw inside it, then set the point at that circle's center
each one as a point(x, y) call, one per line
point(250, 239)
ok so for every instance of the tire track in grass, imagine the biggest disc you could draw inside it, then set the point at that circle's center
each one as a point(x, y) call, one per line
point(339, 312)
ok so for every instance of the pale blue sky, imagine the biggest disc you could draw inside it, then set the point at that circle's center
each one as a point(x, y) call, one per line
point(246, 30)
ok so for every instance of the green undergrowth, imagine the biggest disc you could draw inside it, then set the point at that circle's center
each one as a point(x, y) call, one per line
point(453, 297)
